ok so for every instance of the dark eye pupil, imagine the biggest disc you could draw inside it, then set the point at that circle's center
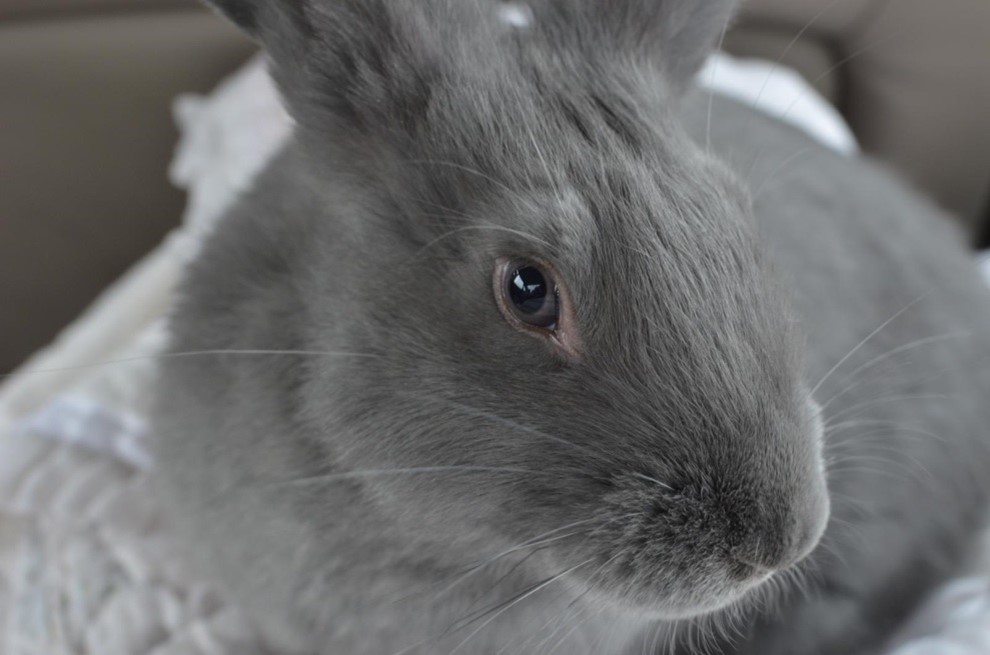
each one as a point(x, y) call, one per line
point(532, 296)
point(528, 290)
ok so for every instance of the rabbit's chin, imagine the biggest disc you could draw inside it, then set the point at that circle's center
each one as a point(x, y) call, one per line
point(687, 599)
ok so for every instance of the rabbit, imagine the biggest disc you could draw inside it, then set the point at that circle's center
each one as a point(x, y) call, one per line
point(523, 345)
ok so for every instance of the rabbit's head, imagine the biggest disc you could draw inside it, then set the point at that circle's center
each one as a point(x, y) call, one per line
point(570, 327)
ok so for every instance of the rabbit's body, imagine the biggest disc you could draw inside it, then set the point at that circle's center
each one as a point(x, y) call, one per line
point(413, 475)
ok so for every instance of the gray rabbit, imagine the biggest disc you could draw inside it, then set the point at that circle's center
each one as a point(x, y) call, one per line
point(533, 349)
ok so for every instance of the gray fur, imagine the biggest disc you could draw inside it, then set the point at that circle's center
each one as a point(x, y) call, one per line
point(674, 466)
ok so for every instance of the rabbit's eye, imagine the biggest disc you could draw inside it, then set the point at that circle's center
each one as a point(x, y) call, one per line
point(534, 300)
point(532, 295)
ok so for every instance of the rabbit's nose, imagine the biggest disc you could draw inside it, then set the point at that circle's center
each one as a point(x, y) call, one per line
point(777, 540)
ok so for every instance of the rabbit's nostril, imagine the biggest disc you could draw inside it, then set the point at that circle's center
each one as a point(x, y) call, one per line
point(781, 542)
point(758, 556)
point(750, 570)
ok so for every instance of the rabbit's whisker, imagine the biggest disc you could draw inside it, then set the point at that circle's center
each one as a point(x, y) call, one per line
point(711, 92)
point(544, 164)
point(515, 425)
point(873, 402)
point(790, 45)
point(536, 542)
point(890, 427)
point(842, 62)
point(912, 345)
point(473, 171)
point(421, 470)
point(865, 340)
point(471, 228)
point(193, 353)
point(500, 609)
point(759, 189)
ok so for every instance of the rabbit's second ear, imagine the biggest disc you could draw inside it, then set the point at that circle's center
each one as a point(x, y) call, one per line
point(675, 35)
point(243, 13)
point(274, 24)
point(350, 58)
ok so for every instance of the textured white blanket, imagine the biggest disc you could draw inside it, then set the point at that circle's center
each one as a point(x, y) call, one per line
point(87, 564)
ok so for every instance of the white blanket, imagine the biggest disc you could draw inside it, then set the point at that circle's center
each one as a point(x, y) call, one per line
point(87, 562)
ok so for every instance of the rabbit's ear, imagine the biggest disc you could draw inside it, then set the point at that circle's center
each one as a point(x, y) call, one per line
point(675, 35)
point(243, 13)
point(264, 20)
point(360, 63)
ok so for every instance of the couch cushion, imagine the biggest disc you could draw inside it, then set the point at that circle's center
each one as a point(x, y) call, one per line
point(85, 137)
point(911, 76)
point(36, 9)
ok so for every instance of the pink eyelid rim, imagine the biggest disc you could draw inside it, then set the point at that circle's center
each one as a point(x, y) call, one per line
point(565, 339)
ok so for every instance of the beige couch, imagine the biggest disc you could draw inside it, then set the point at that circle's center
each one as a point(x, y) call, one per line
point(86, 132)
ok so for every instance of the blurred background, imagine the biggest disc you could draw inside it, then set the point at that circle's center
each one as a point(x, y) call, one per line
point(86, 130)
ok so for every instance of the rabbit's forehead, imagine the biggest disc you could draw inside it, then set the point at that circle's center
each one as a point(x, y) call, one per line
point(591, 230)
point(633, 220)
point(639, 240)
